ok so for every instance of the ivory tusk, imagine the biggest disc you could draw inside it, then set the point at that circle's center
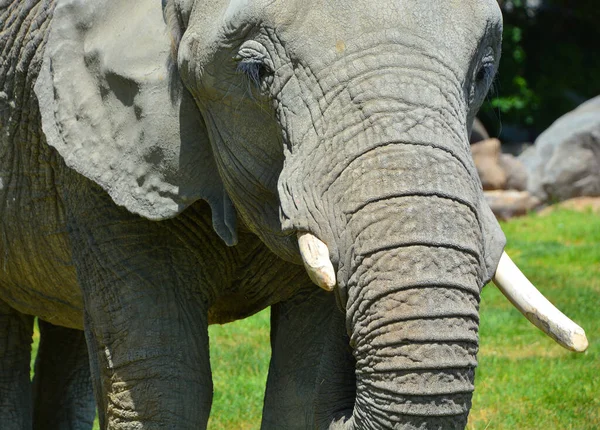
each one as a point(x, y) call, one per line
point(315, 256)
point(536, 308)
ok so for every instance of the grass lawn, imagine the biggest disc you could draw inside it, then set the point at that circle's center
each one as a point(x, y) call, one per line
point(524, 379)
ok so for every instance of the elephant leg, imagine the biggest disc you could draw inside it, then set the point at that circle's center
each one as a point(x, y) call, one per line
point(146, 303)
point(95, 370)
point(301, 328)
point(63, 398)
point(336, 389)
point(153, 361)
point(148, 342)
point(15, 356)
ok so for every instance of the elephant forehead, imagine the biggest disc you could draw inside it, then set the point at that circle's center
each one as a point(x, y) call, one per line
point(429, 16)
point(455, 27)
point(317, 28)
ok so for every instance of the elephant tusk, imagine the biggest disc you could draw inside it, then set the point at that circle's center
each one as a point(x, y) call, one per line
point(315, 256)
point(536, 308)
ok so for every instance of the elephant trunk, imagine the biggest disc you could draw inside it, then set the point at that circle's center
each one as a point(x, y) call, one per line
point(410, 268)
point(413, 316)
point(410, 239)
point(391, 189)
point(415, 269)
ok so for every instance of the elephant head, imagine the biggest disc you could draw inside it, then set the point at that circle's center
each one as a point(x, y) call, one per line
point(342, 124)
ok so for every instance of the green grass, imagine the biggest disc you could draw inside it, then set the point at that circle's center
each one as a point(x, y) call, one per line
point(239, 358)
point(524, 379)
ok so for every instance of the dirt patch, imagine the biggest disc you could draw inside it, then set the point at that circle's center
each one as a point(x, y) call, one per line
point(580, 204)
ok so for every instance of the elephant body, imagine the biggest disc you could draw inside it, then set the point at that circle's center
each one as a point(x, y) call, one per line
point(156, 164)
point(39, 276)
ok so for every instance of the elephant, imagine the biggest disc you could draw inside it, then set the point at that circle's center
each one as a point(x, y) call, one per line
point(166, 166)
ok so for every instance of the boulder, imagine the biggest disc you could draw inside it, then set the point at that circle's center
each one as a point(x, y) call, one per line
point(486, 155)
point(515, 171)
point(565, 160)
point(478, 132)
point(506, 204)
point(496, 170)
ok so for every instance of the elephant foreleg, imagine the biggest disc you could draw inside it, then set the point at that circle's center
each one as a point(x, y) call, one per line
point(15, 355)
point(301, 330)
point(151, 352)
point(336, 388)
point(95, 371)
point(63, 398)
point(146, 299)
point(152, 360)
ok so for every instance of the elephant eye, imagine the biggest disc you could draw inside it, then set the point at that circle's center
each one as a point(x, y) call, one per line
point(254, 62)
point(481, 74)
point(485, 74)
point(254, 69)
point(482, 81)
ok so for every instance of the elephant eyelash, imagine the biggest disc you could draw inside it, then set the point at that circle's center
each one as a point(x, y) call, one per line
point(481, 82)
point(254, 70)
point(485, 74)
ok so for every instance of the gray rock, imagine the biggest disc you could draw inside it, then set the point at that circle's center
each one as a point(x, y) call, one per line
point(506, 204)
point(516, 173)
point(478, 132)
point(565, 160)
point(486, 156)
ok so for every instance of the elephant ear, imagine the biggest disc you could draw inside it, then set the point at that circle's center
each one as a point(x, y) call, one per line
point(113, 106)
point(493, 238)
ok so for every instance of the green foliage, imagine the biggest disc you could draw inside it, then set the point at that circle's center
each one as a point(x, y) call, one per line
point(549, 64)
point(519, 98)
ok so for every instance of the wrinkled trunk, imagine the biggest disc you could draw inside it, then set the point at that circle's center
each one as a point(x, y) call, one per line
point(414, 271)
point(414, 276)
point(414, 321)
point(410, 268)
point(392, 191)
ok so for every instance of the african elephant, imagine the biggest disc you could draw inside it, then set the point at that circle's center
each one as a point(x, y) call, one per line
point(165, 167)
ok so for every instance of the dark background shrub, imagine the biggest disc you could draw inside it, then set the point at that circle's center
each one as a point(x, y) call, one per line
point(550, 64)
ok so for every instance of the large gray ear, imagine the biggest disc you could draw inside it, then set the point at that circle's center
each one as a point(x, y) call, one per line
point(114, 108)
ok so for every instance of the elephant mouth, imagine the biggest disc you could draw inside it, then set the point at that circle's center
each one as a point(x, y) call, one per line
point(508, 278)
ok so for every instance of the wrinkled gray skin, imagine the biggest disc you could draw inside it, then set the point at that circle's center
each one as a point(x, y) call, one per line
point(154, 176)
